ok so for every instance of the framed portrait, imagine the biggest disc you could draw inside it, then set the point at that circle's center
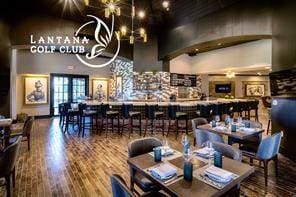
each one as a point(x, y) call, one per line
point(35, 90)
point(255, 89)
point(100, 89)
point(119, 88)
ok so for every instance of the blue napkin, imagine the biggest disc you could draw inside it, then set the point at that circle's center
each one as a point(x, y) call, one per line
point(163, 172)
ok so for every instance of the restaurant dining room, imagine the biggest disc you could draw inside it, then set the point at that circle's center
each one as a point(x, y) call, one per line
point(129, 98)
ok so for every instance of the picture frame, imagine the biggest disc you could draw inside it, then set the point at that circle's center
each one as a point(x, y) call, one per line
point(118, 86)
point(255, 90)
point(36, 90)
point(100, 89)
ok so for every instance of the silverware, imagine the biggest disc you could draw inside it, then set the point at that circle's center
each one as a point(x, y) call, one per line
point(173, 178)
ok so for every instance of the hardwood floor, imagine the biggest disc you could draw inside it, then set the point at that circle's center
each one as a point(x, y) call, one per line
point(67, 165)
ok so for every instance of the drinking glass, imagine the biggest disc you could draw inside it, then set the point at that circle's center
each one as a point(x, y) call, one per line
point(165, 145)
point(157, 154)
point(185, 143)
point(217, 118)
point(209, 145)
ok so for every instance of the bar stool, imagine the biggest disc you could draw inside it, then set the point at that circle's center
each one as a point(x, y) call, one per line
point(128, 113)
point(176, 115)
point(217, 109)
point(72, 115)
point(237, 108)
point(254, 106)
point(87, 113)
point(107, 115)
point(205, 111)
point(62, 114)
point(151, 118)
point(245, 107)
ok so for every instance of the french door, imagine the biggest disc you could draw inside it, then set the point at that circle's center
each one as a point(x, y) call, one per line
point(66, 88)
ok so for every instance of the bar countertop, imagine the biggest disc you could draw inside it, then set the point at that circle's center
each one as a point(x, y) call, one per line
point(187, 103)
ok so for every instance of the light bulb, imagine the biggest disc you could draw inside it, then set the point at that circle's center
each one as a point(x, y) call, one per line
point(142, 32)
point(141, 14)
point(165, 4)
point(132, 39)
point(123, 30)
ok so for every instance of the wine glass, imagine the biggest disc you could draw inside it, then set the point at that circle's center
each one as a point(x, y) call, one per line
point(165, 145)
point(217, 118)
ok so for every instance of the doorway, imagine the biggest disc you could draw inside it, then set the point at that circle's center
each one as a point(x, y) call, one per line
point(66, 88)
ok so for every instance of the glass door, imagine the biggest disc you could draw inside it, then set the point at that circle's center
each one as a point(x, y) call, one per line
point(66, 88)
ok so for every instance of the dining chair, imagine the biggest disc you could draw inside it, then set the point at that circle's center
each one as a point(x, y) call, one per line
point(120, 189)
point(25, 132)
point(8, 159)
point(228, 151)
point(140, 147)
point(203, 136)
point(196, 122)
point(268, 150)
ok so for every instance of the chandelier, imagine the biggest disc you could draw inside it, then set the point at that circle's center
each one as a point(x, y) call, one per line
point(132, 34)
point(230, 74)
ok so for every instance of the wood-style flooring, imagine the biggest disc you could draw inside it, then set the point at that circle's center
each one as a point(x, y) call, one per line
point(67, 165)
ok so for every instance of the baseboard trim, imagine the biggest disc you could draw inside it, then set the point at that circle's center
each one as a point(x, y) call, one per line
point(42, 117)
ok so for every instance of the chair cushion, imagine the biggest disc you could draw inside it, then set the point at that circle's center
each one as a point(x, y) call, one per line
point(134, 113)
point(89, 112)
point(181, 114)
point(158, 113)
point(112, 113)
point(145, 184)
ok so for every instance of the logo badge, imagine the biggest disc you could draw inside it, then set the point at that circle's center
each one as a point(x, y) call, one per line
point(102, 42)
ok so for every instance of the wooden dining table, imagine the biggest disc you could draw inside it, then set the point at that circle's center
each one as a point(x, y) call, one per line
point(239, 134)
point(196, 187)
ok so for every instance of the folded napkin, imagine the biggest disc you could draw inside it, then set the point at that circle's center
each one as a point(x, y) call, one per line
point(163, 171)
point(221, 128)
point(249, 129)
point(219, 174)
point(166, 151)
point(205, 152)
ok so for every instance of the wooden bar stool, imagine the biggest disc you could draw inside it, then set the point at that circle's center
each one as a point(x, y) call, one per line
point(129, 114)
point(72, 115)
point(152, 116)
point(175, 115)
point(85, 113)
point(107, 115)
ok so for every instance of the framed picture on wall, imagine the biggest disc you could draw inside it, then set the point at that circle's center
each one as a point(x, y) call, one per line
point(100, 89)
point(255, 90)
point(119, 89)
point(36, 90)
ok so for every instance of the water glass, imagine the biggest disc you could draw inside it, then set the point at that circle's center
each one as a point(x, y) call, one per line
point(247, 124)
point(157, 154)
point(209, 145)
point(217, 118)
point(233, 128)
point(185, 143)
point(213, 123)
point(188, 170)
point(218, 159)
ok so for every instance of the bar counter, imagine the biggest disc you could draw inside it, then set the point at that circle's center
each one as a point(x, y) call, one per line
point(190, 107)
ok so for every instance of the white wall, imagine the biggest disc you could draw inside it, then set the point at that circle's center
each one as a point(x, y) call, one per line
point(27, 63)
point(240, 57)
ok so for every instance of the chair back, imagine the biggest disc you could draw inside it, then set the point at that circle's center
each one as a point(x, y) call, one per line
point(203, 136)
point(172, 110)
point(81, 107)
point(198, 121)
point(217, 108)
point(28, 126)
point(269, 147)
point(228, 151)
point(150, 111)
point(125, 109)
point(205, 110)
point(104, 109)
point(142, 146)
point(266, 100)
point(119, 187)
point(9, 156)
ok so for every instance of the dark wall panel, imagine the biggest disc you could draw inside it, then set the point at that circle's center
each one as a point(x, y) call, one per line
point(5, 55)
point(242, 19)
point(284, 35)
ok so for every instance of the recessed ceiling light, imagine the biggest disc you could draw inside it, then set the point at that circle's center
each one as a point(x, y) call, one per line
point(259, 73)
point(141, 14)
point(196, 49)
point(165, 4)
point(219, 44)
point(267, 67)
